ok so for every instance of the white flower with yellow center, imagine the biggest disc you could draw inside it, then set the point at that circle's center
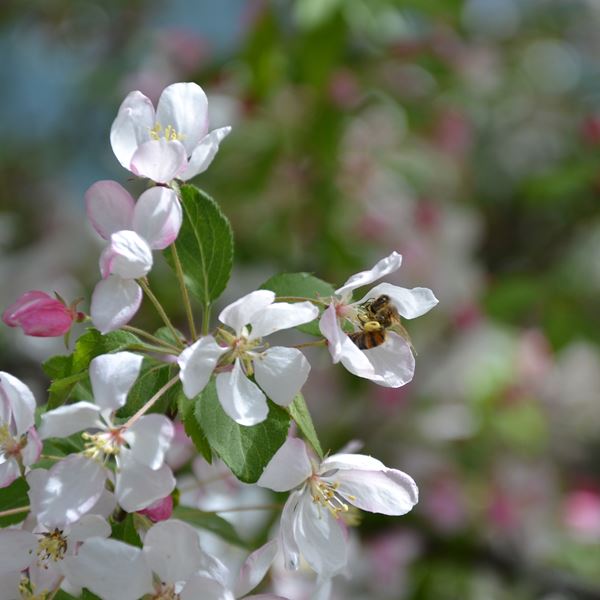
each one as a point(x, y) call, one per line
point(312, 516)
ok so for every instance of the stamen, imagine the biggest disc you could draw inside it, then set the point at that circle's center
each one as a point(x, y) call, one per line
point(27, 589)
point(102, 444)
point(10, 445)
point(169, 133)
point(51, 546)
point(325, 494)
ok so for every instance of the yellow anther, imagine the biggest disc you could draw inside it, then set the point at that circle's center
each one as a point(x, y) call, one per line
point(27, 589)
point(102, 444)
point(169, 133)
point(326, 495)
point(51, 546)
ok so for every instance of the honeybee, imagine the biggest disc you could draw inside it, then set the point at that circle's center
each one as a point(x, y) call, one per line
point(377, 316)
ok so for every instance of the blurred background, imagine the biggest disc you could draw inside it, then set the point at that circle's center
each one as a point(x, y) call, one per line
point(464, 134)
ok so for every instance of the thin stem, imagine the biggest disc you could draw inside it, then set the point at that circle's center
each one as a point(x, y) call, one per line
point(14, 511)
point(152, 401)
point(302, 299)
point(206, 319)
point(184, 292)
point(150, 337)
point(51, 457)
point(242, 508)
point(161, 311)
point(157, 349)
point(322, 342)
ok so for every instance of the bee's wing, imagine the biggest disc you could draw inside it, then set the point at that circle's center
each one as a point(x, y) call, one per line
point(398, 328)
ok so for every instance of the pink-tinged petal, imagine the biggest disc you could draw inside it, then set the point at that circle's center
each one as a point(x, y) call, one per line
point(17, 550)
point(197, 363)
point(69, 419)
point(204, 153)
point(161, 510)
point(289, 547)
point(114, 303)
point(385, 266)
point(87, 527)
point(9, 471)
point(130, 577)
point(149, 439)
point(184, 107)
point(24, 303)
point(18, 401)
point(409, 303)
point(172, 550)
point(393, 362)
point(360, 462)
point(159, 160)
point(67, 491)
point(389, 492)
point(31, 453)
point(157, 217)
point(241, 398)
point(320, 537)
point(132, 127)
point(289, 467)
point(39, 315)
point(281, 315)
point(128, 256)
point(331, 330)
point(255, 567)
point(281, 373)
point(207, 588)
point(139, 486)
point(109, 207)
point(112, 376)
point(239, 313)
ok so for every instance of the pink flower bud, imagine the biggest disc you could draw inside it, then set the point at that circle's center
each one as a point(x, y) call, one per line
point(39, 315)
point(161, 510)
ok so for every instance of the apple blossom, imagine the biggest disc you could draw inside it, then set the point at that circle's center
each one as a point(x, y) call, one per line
point(20, 444)
point(312, 515)
point(139, 449)
point(280, 372)
point(172, 142)
point(40, 315)
point(392, 363)
point(133, 230)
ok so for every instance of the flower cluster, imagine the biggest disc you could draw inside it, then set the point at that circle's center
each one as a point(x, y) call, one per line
point(96, 464)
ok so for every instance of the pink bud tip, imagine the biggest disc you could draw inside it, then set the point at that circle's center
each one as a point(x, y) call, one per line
point(161, 510)
point(39, 315)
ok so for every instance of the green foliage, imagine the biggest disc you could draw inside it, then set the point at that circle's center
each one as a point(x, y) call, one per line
point(14, 496)
point(186, 411)
point(300, 413)
point(245, 450)
point(125, 531)
point(204, 245)
point(211, 522)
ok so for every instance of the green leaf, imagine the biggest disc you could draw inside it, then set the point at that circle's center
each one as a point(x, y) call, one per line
point(300, 413)
point(211, 522)
point(204, 245)
point(87, 595)
point(14, 496)
point(190, 424)
point(125, 531)
point(300, 285)
point(62, 595)
point(245, 450)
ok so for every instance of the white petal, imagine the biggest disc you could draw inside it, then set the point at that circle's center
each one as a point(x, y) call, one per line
point(388, 492)
point(333, 333)
point(9, 471)
point(356, 360)
point(17, 550)
point(109, 207)
point(89, 526)
point(393, 362)
point(241, 398)
point(207, 588)
point(320, 537)
point(409, 303)
point(255, 567)
point(289, 547)
point(132, 127)
point(157, 217)
point(114, 303)
point(19, 400)
point(385, 266)
point(281, 373)
point(69, 419)
point(281, 315)
point(239, 313)
point(351, 461)
point(184, 107)
point(67, 491)
point(159, 160)
point(9, 584)
point(197, 364)
point(127, 255)
point(204, 153)
point(112, 376)
point(31, 453)
point(139, 486)
point(289, 467)
point(149, 439)
point(105, 505)
point(172, 549)
point(110, 569)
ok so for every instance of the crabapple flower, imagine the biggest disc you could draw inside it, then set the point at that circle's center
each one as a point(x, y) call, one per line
point(139, 449)
point(312, 516)
point(132, 230)
point(41, 315)
point(390, 364)
point(172, 142)
point(161, 510)
point(20, 445)
point(280, 372)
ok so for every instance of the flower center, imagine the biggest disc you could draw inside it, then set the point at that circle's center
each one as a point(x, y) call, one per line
point(10, 445)
point(241, 347)
point(326, 494)
point(168, 133)
point(52, 545)
point(106, 443)
point(27, 589)
point(165, 592)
